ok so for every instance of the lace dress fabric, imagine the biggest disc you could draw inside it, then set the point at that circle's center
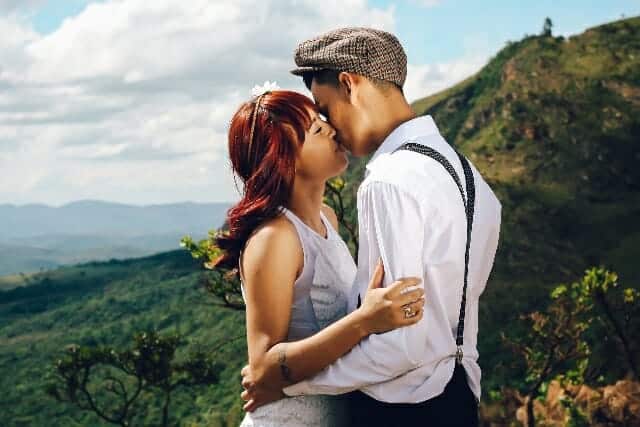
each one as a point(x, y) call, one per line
point(320, 298)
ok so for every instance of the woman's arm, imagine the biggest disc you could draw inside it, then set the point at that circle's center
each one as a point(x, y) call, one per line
point(273, 364)
point(286, 363)
point(270, 263)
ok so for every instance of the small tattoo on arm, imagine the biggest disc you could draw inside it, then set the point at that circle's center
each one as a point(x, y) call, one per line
point(282, 360)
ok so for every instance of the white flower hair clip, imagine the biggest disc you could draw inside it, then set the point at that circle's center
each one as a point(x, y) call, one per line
point(266, 87)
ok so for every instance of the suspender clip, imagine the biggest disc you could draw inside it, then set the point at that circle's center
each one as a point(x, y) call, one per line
point(459, 355)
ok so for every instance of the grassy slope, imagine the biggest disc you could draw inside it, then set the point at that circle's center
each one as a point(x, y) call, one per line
point(105, 303)
point(555, 125)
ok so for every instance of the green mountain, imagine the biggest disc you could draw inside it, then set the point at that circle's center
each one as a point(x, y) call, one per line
point(552, 123)
point(105, 303)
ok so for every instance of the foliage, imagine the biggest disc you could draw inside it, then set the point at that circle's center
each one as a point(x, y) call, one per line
point(559, 339)
point(110, 382)
point(160, 293)
point(223, 284)
point(615, 312)
point(546, 29)
point(337, 197)
point(553, 344)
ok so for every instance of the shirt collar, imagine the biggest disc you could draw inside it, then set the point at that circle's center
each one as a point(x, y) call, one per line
point(416, 127)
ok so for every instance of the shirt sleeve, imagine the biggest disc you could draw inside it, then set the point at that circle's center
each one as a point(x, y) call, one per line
point(395, 230)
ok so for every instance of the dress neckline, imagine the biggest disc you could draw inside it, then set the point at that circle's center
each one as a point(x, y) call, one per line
point(324, 220)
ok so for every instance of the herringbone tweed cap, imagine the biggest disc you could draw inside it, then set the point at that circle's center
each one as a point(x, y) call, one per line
point(364, 51)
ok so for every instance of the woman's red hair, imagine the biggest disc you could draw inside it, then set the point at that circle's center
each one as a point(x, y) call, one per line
point(265, 165)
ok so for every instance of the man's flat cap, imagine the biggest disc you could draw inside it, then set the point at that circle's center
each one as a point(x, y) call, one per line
point(365, 51)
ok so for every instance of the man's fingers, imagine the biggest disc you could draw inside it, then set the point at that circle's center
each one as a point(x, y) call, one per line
point(249, 406)
point(247, 384)
point(409, 297)
point(415, 306)
point(401, 285)
point(378, 275)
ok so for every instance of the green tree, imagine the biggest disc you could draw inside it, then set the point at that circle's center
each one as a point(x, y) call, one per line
point(613, 308)
point(336, 197)
point(112, 383)
point(222, 284)
point(559, 341)
point(553, 344)
point(547, 27)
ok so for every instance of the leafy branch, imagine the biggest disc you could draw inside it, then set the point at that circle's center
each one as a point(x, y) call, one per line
point(110, 382)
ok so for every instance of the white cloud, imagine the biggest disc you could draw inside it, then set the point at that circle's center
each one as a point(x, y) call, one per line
point(130, 100)
point(427, 79)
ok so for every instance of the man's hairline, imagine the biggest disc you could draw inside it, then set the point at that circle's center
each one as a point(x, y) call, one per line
point(387, 84)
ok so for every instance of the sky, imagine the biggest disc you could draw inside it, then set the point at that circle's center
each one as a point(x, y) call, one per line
point(129, 100)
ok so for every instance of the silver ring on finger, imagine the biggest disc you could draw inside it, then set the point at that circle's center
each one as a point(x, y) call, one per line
point(408, 313)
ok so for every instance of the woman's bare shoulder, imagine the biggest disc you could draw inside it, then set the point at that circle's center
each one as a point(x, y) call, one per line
point(276, 238)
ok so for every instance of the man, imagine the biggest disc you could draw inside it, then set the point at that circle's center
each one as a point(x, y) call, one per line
point(427, 373)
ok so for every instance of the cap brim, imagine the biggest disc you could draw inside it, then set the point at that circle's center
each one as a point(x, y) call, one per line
point(301, 70)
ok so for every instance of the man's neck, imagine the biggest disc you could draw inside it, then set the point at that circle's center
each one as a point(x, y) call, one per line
point(392, 113)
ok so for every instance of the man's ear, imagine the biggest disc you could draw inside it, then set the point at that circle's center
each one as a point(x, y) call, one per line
point(346, 81)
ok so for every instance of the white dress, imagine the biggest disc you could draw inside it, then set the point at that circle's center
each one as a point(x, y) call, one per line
point(320, 297)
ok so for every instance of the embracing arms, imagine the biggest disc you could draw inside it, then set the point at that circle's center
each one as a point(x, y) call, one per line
point(397, 238)
point(274, 363)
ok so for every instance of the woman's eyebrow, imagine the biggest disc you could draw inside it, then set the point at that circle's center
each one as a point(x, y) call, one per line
point(313, 121)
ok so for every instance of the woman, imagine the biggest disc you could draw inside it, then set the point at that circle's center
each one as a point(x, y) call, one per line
point(296, 272)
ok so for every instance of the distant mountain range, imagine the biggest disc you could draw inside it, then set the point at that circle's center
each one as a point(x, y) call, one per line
point(36, 236)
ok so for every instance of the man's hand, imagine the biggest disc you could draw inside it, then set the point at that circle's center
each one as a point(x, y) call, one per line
point(255, 394)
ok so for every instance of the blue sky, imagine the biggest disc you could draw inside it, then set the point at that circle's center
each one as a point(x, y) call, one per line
point(130, 100)
point(443, 30)
point(450, 28)
point(51, 13)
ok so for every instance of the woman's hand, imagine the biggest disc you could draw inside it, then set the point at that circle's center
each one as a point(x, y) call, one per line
point(384, 309)
point(256, 395)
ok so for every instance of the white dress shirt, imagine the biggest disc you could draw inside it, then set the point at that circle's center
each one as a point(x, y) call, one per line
point(410, 213)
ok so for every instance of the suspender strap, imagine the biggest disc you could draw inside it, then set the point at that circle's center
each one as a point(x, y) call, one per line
point(469, 204)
